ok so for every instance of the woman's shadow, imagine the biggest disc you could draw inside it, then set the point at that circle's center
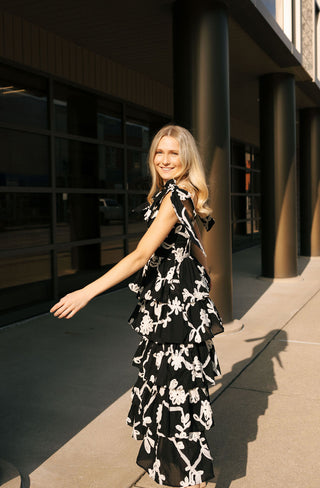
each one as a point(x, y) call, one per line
point(244, 398)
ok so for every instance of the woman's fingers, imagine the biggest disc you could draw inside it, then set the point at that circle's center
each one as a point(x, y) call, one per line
point(69, 305)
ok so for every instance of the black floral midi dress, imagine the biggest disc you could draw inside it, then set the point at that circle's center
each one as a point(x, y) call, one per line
point(176, 358)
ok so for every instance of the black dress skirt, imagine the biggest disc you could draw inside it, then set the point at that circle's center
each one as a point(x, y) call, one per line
point(176, 358)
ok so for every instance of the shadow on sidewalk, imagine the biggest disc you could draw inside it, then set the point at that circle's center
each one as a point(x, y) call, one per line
point(57, 376)
point(248, 284)
point(239, 406)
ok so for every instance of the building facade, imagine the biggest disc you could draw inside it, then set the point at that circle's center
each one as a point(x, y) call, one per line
point(81, 95)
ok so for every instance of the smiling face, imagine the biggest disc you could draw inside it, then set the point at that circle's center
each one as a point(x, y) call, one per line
point(167, 158)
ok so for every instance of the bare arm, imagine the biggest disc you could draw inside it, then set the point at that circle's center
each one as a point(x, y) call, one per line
point(69, 305)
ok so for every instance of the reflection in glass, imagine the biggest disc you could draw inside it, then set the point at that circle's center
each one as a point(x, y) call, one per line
point(109, 119)
point(25, 269)
point(111, 173)
point(77, 217)
point(271, 6)
point(255, 160)
point(24, 106)
point(111, 212)
point(75, 111)
point(89, 216)
point(256, 202)
point(109, 128)
point(111, 252)
point(24, 220)
point(238, 180)
point(132, 243)
point(238, 154)
point(138, 134)
point(256, 226)
point(138, 171)
point(24, 159)
point(76, 164)
point(255, 182)
point(245, 194)
point(239, 207)
point(137, 224)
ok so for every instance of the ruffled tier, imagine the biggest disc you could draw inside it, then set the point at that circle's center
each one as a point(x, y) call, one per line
point(170, 397)
point(174, 305)
point(175, 463)
point(189, 321)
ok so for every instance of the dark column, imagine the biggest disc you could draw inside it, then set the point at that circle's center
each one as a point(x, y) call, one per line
point(310, 181)
point(278, 175)
point(201, 103)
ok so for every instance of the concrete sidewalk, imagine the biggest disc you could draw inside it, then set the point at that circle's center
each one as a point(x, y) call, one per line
point(66, 390)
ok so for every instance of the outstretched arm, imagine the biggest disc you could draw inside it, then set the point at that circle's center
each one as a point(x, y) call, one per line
point(70, 304)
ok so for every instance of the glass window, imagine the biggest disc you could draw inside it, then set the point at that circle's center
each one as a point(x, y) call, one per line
point(132, 243)
point(75, 111)
point(282, 11)
point(239, 207)
point(24, 220)
point(137, 224)
point(111, 167)
point(112, 252)
point(85, 216)
point(255, 159)
point(271, 6)
point(110, 121)
point(256, 226)
point(238, 154)
point(256, 208)
point(138, 170)
point(245, 194)
point(238, 180)
point(25, 269)
point(81, 264)
point(138, 134)
point(76, 164)
point(20, 105)
point(111, 213)
point(78, 217)
point(24, 159)
point(255, 182)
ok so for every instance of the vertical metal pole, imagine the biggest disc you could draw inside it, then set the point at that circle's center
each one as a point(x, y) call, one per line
point(201, 91)
point(278, 172)
point(310, 182)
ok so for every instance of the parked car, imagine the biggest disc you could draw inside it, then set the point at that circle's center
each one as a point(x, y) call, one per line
point(109, 210)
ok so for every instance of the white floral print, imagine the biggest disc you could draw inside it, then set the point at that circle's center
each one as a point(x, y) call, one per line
point(175, 316)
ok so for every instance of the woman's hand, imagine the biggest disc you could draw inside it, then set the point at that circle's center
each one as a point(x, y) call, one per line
point(70, 304)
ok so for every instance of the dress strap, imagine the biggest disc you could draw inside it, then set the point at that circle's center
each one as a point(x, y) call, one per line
point(178, 197)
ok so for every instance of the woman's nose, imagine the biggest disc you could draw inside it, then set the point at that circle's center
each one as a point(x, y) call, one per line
point(165, 159)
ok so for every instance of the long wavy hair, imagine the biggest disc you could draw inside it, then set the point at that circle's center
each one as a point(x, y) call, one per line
point(192, 175)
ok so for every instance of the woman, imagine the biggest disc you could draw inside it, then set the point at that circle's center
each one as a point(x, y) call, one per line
point(177, 320)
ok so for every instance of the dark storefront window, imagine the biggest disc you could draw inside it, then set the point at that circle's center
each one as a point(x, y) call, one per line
point(138, 172)
point(23, 100)
point(24, 159)
point(110, 126)
point(67, 187)
point(25, 220)
point(245, 195)
point(76, 164)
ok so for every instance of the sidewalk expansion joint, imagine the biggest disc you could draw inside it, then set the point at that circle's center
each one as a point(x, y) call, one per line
point(223, 389)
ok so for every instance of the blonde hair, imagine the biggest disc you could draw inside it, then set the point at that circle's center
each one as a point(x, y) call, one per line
point(192, 176)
